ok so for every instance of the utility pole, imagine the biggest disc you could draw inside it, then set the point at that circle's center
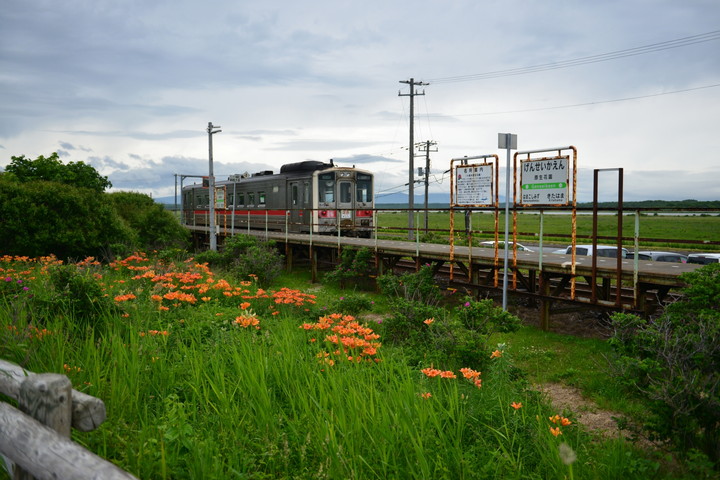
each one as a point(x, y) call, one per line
point(411, 174)
point(212, 129)
point(426, 146)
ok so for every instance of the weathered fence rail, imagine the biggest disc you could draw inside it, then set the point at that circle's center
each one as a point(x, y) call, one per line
point(35, 437)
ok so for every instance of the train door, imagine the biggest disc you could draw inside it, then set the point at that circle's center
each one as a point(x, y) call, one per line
point(296, 204)
point(346, 210)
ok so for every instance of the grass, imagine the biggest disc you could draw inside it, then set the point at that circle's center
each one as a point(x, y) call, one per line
point(232, 381)
point(655, 230)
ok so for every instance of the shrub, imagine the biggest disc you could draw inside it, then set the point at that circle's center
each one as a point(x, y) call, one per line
point(354, 264)
point(351, 304)
point(674, 361)
point(485, 318)
point(414, 287)
point(77, 295)
point(244, 255)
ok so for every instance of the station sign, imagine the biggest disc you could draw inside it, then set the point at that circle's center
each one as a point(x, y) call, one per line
point(474, 185)
point(220, 197)
point(545, 181)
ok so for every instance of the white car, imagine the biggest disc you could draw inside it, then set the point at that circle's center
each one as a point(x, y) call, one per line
point(501, 245)
point(661, 256)
point(703, 258)
point(602, 251)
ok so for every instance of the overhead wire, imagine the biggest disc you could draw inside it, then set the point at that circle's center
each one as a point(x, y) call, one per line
point(603, 57)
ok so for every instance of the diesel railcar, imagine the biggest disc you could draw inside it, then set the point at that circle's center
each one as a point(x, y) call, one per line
point(309, 196)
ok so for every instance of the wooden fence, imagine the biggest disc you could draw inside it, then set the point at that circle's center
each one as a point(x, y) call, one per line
point(35, 437)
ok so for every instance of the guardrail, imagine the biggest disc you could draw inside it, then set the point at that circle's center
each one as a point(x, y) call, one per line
point(35, 437)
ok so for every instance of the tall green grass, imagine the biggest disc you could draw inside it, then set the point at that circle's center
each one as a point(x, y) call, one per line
point(192, 394)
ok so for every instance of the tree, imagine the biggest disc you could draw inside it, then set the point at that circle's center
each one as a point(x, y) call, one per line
point(51, 169)
point(41, 218)
point(156, 227)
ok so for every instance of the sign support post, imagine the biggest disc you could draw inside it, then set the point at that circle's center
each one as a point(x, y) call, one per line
point(507, 141)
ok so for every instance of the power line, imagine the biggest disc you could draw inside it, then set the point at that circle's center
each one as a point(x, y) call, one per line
point(574, 105)
point(603, 57)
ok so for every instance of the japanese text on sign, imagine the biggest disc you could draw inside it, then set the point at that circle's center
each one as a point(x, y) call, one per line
point(544, 181)
point(474, 185)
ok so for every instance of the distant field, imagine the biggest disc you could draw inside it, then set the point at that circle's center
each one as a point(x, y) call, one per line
point(654, 230)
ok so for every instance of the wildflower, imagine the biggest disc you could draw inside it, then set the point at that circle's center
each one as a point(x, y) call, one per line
point(428, 321)
point(555, 431)
point(431, 372)
point(426, 395)
point(467, 304)
point(496, 354)
point(516, 405)
point(469, 373)
point(244, 305)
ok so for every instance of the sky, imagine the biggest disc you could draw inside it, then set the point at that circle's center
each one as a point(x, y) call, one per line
point(129, 87)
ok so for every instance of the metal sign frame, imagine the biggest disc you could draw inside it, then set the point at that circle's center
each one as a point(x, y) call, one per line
point(573, 156)
point(487, 161)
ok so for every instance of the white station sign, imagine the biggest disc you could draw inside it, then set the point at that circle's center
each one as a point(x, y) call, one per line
point(474, 184)
point(545, 181)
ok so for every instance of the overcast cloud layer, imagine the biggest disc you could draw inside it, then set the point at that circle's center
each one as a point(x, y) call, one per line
point(130, 87)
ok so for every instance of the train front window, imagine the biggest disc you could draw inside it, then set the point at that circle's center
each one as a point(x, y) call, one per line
point(363, 189)
point(345, 192)
point(326, 187)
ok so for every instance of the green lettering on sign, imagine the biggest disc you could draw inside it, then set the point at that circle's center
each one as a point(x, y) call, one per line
point(544, 186)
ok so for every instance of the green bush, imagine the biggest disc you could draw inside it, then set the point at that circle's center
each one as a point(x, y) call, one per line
point(674, 362)
point(485, 318)
point(354, 264)
point(40, 218)
point(156, 228)
point(77, 295)
point(351, 304)
point(244, 255)
point(414, 287)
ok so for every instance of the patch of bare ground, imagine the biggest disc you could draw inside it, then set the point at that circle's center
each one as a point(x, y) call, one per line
point(597, 421)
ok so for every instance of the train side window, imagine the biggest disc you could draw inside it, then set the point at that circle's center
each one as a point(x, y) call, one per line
point(345, 192)
point(294, 195)
point(306, 193)
point(251, 198)
point(261, 198)
point(241, 198)
point(230, 200)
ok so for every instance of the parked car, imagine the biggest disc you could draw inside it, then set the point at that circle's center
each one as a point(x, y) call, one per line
point(501, 245)
point(660, 256)
point(602, 251)
point(703, 258)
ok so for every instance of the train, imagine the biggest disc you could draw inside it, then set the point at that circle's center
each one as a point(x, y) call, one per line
point(304, 197)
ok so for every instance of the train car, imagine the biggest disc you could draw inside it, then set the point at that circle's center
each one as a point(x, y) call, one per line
point(303, 197)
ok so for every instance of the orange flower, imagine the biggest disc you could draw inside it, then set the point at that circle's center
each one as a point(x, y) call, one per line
point(496, 354)
point(426, 395)
point(516, 405)
point(244, 305)
point(469, 373)
point(555, 431)
point(431, 372)
point(428, 321)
